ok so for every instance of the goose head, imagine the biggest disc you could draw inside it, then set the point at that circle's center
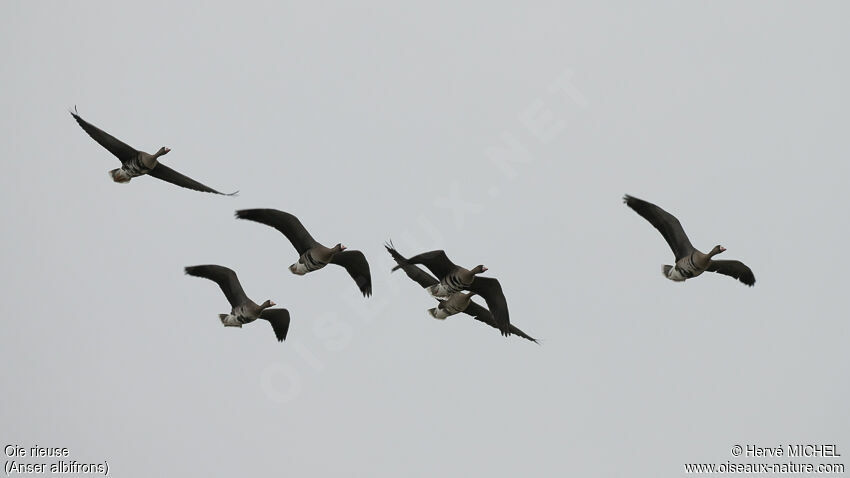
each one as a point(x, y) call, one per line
point(478, 269)
point(716, 250)
point(338, 248)
point(162, 151)
point(267, 304)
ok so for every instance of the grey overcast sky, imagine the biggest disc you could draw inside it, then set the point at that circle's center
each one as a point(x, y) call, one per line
point(504, 135)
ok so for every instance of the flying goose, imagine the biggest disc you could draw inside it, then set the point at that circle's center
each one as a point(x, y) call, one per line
point(689, 261)
point(453, 279)
point(243, 310)
point(456, 303)
point(137, 163)
point(313, 256)
point(453, 304)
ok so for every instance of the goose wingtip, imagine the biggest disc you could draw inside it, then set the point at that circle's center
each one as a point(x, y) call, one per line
point(241, 213)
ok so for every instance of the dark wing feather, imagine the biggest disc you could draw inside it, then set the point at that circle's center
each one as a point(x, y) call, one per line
point(284, 222)
point(115, 146)
point(358, 268)
point(226, 280)
point(163, 172)
point(736, 269)
point(436, 261)
point(279, 318)
point(481, 314)
point(414, 272)
point(490, 290)
point(666, 223)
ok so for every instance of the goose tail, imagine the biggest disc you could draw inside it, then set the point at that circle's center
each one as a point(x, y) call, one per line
point(120, 176)
point(437, 313)
point(228, 320)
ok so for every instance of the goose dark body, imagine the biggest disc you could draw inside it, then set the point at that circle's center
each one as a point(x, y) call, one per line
point(313, 255)
point(136, 163)
point(690, 262)
point(489, 289)
point(243, 310)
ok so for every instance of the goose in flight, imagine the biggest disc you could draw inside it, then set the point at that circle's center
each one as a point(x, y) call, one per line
point(312, 255)
point(456, 303)
point(453, 278)
point(243, 310)
point(137, 163)
point(689, 261)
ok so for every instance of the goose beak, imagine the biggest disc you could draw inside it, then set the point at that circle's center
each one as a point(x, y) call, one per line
point(342, 248)
point(722, 249)
point(484, 269)
point(272, 303)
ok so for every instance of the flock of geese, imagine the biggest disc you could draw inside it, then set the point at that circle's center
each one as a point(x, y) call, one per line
point(453, 286)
